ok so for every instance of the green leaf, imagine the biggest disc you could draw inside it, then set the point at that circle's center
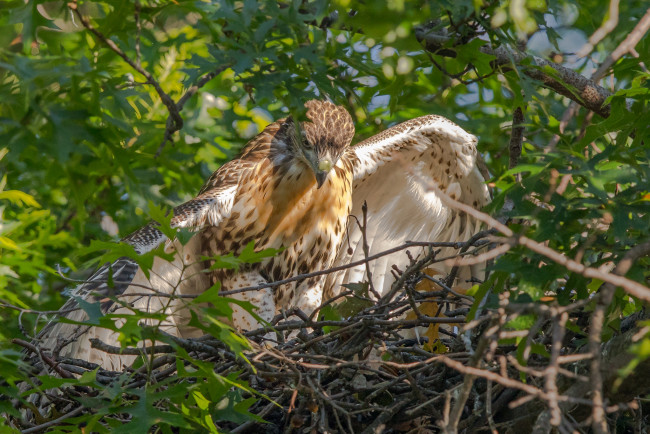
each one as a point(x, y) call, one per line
point(93, 310)
point(17, 197)
point(357, 302)
point(211, 295)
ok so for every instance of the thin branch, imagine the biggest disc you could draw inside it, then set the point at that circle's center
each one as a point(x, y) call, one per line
point(468, 382)
point(626, 46)
point(174, 121)
point(47, 359)
point(366, 250)
point(404, 246)
point(164, 97)
point(54, 422)
point(171, 126)
point(609, 25)
point(562, 80)
point(138, 28)
point(630, 286)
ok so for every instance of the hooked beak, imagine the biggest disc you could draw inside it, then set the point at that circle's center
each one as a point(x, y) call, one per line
point(324, 167)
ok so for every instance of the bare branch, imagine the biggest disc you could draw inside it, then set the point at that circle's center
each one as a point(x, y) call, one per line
point(609, 25)
point(562, 80)
point(626, 46)
point(631, 287)
point(171, 126)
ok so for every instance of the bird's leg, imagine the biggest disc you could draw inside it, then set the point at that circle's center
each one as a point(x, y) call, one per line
point(262, 299)
point(307, 296)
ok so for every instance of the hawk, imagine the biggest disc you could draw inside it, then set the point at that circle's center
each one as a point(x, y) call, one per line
point(293, 188)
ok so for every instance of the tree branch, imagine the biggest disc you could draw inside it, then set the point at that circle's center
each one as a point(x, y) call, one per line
point(630, 286)
point(171, 126)
point(174, 120)
point(516, 137)
point(164, 97)
point(562, 80)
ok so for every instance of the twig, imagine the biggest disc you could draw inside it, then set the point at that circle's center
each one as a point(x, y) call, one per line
point(626, 46)
point(602, 31)
point(366, 250)
point(54, 422)
point(47, 359)
point(551, 372)
point(468, 382)
point(488, 408)
point(346, 266)
point(631, 287)
point(138, 27)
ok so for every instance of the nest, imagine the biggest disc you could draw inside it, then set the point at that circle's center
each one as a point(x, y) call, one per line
point(362, 373)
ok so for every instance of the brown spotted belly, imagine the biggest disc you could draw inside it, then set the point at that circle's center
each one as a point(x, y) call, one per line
point(308, 227)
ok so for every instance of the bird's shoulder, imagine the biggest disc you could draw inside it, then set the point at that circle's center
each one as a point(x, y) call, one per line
point(259, 149)
point(436, 136)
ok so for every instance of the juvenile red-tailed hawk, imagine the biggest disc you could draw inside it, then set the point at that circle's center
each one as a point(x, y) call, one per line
point(292, 188)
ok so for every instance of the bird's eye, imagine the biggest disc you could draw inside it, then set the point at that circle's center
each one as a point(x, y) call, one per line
point(305, 142)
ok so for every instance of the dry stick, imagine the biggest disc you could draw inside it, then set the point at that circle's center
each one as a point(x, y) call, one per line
point(553, 368)
point(562, 80)
point(468, 382)
point(599, 424)
point(47, 359)
point(461, 261)
point(53, 422)
point(630, 286)
point(455, 245)
point(366, 250)
point(404, 246)
point(454, 270)
point(488, 408)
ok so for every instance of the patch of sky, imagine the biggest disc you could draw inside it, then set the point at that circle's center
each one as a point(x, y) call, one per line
point(360, 47)
point(367, 80)
point(378, 101)
point(472, 97)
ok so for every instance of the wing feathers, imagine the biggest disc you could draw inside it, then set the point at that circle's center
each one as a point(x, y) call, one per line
point(449, 145)
point(392, 174)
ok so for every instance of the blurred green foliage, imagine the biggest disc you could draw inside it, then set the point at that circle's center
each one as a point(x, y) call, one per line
point(82, 152)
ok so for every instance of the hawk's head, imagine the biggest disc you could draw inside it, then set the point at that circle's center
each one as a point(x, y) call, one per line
point(321, 142)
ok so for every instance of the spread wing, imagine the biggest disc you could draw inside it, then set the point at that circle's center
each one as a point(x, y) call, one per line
point(210, 207)
point(392, 174)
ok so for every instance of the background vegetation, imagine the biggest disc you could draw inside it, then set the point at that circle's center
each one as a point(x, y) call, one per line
point(106, 106)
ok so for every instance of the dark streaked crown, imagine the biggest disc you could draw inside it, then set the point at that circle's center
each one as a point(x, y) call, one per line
point(331, 127)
